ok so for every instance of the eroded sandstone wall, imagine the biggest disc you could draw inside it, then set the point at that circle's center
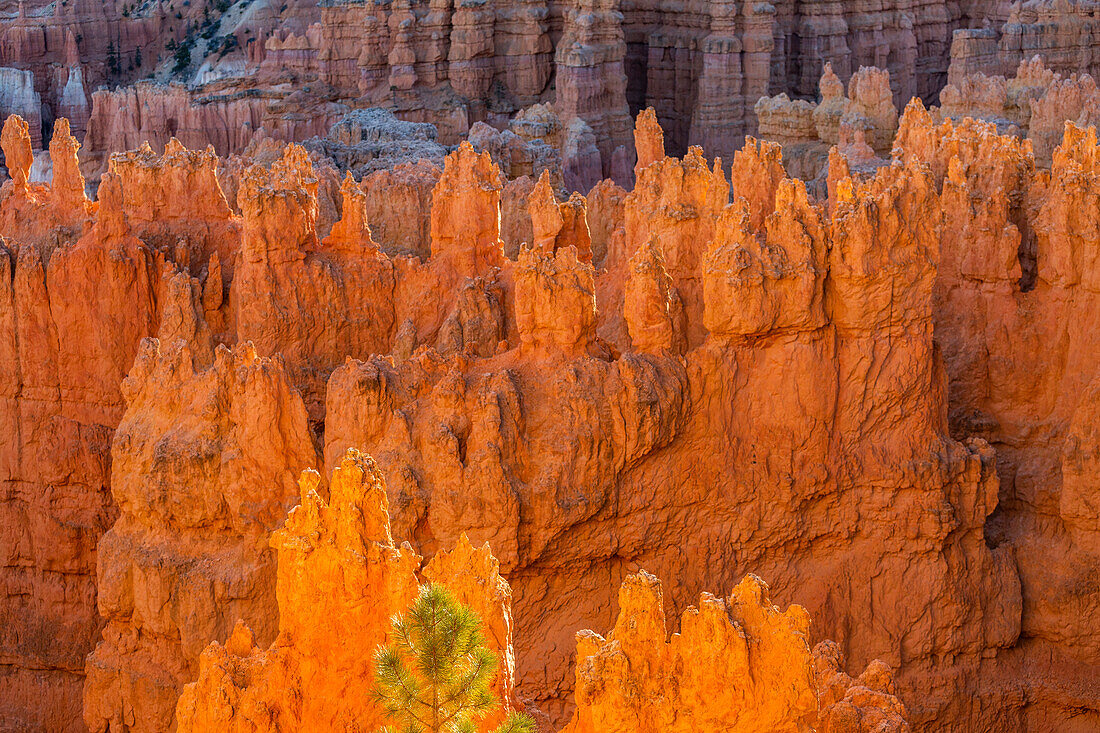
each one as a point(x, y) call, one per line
point(708, 375)
point(341, 577)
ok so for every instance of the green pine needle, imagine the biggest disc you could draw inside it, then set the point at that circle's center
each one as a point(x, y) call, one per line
point(435, 674)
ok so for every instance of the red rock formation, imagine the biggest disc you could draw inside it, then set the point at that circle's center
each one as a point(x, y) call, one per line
point(18, 153)
point(737, 664)
point(590, 80)
point(69, 48)
point(399, 207)
point(766, 386)
point(516, 227)
point(441, 429)
point(555, 302)
point(340, 291)
point(752, 284)
point(649, 141)
point(736, 70)
point(465, 214)
point(74, 311)
point(651, 305)
point(126, 118)
point(1037, 102)
point(204, 462)
point(1018, 375)
point(1060, 31)
point(554, 225)
point(604, 206)
point(337, 561)
point(676, 202)
point(862, 124)
point(67, 189)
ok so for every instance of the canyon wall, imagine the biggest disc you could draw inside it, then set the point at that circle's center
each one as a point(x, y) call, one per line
point(292, 68)
point(77, 300)
point(708, 375)
point(1059, 31)
point(1022, 372)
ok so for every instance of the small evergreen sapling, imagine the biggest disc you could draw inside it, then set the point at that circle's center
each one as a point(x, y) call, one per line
point(434, 675)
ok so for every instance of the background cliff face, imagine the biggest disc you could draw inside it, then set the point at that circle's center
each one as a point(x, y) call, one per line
point(861, 398)
point(291, 67)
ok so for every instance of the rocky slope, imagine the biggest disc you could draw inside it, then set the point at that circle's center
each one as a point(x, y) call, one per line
point(881, 399)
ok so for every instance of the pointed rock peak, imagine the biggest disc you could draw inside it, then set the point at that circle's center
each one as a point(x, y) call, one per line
point(18, 155)
point(641, 612)
point(240, 642)
point(546, 216)
point(830, 86)
point(792, 194)
point(466, 165)
point(756, 173)
point(649, 140)
point(72, 49)
point(67, 189)
point(352, 230)
point(543, 189)
point(1077, 151)
point(294, 169)
point(357, 494)
point(466, 558)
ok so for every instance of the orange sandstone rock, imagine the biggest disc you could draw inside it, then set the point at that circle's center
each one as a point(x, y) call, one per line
point(555, 302)
point(737, 664)
point(651, 304)
point(554, 225)
point(339, 292)
point(878, 408)
point(340, 579)
point(67, 189)
point(16, 142)
point(649, 140)
point(188, 556)
point(465, 213)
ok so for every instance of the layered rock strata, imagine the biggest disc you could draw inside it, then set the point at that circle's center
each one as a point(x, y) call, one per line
point(812, 386)
point(1059, 31)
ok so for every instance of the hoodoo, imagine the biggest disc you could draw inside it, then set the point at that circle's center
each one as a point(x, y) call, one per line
point(721, 366)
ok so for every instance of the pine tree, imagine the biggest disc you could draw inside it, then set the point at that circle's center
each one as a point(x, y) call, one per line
point(114, 65)
point(434, 675)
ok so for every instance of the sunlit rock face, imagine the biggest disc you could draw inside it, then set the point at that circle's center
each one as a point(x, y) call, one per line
point(879, 393)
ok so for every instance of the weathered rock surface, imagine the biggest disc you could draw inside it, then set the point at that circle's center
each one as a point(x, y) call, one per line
point(863, 124)
point(1060, 31)
point(883, 401)
point(1035, 103)
point(76, 301)
point(204, 462)
point(737, 664)
point(341, 578)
